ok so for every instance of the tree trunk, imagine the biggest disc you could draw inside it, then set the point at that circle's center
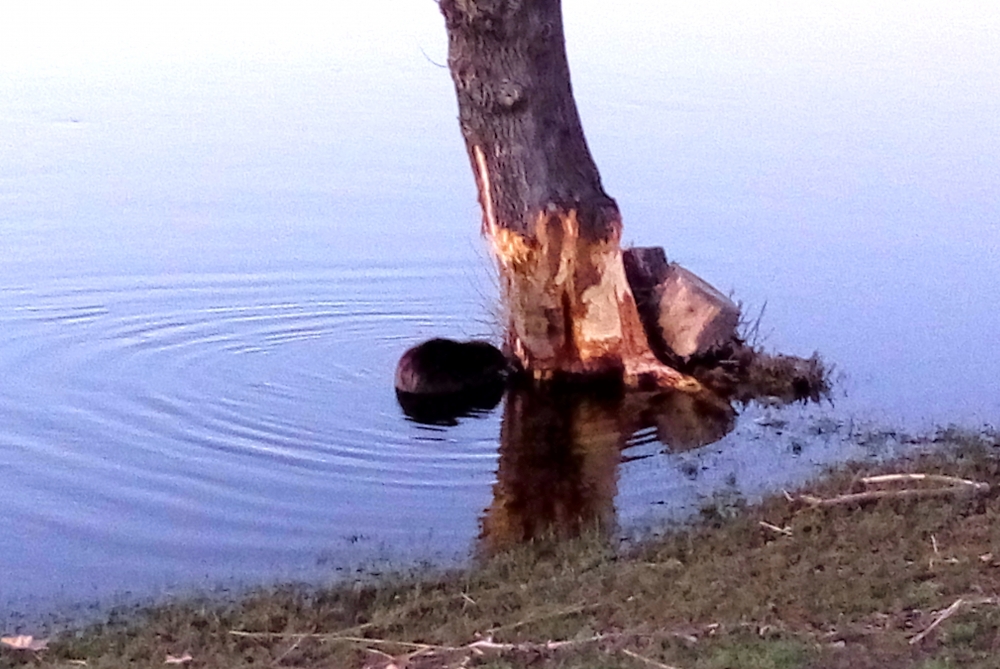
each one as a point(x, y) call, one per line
point(554, 231)
point(557, 473)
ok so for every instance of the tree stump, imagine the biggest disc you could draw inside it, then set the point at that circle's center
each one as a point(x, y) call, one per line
point(683, 314)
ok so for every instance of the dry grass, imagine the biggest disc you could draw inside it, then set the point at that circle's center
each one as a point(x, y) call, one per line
point(893, 581)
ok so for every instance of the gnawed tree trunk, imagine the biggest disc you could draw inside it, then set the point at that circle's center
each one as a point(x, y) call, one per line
point(555, 232)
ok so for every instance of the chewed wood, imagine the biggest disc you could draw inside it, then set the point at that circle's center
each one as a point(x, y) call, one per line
point(553, 230)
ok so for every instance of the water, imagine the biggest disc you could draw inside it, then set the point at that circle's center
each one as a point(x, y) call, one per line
point(214, 250)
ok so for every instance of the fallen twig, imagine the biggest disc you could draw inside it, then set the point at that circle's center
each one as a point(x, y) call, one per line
point(651, 662)
point(787, 531)
point(937, 478)
point(944, 615)
point(384, 655)
point(338, 637)
point(580, 608)
point(289, 650)
point(955, 485)
point(448, 654)
point(489, 644)
point(481, 644)
point(959, 603)
point(875, 495)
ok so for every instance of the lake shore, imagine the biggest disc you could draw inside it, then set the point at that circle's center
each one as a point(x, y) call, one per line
point(841, 573)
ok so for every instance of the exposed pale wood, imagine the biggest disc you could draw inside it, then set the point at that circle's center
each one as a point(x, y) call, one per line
point(956, 486)
point(695, 318)
point(875, 495)
point(554, 232)
point(775, 528)
point(683, 314)
point(569, 305)
point(936, 478)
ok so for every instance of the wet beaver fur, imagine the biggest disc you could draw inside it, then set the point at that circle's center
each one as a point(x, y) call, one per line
point(441, 379)
point(444, 366)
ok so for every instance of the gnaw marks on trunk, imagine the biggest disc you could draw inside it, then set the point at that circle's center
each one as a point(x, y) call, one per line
point(554, 231)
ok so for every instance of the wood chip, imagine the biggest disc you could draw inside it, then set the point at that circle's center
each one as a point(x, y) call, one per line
point(178, 659)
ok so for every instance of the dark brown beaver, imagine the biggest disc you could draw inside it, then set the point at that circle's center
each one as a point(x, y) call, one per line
point(444, 367)
point(441, 380)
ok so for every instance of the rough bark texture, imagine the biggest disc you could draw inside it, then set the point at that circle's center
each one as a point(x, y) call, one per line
point(553, 229)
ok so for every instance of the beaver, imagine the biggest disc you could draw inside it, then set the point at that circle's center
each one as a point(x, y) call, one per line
point(445, 367)
point(441, 380)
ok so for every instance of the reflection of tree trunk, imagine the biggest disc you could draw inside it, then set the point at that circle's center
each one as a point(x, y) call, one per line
point(683, 421)
point(557, 473)
point(553, 229)
point(559, 454)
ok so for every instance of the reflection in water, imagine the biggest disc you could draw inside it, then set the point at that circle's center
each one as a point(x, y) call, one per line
point(560, 450)
point(683, 421)
point(447, 409)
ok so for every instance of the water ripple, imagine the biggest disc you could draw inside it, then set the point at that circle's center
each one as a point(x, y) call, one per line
point(224, 425)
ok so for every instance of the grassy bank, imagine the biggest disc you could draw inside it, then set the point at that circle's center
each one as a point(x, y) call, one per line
point(892, 577)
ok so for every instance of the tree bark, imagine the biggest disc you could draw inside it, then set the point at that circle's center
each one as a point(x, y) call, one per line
point(554, 232)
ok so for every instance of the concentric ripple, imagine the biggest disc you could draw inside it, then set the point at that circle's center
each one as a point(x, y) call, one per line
point(160, 429)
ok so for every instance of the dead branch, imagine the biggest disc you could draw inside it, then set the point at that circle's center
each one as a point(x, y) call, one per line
point(580, 608)
point(944, 615)
point(787, 531)
point(428, 648)
point(339, 637)
point(278, 660)
point(956, 486)
point(651, 662)
point(489, 644)
point(936, 478)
